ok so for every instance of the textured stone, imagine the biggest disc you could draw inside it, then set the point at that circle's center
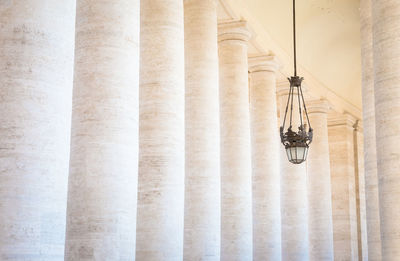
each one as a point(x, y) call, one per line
point(265, 159)
point(36, 75)
point(344, 205)
point(102, 188)
point(319, 184)
point(202, 175)
point(386, 46)
point(360, 185)
point(368, 98)
point(161, 132)
point(236, 199)
point(293, 193)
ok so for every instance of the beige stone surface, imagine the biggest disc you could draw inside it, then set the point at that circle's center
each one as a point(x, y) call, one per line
point(236, 199)
point(102, 188)
point(386, 46)
point(202, 176)
point(36, 68)
point(161, 132)
point(368, 97)
point(320, 227)
point(265, 159)
point(344, 205)
point(294, 203)
point(360, 190)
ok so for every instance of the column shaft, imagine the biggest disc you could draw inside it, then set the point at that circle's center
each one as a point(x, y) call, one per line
point(386, 58)
point(265, 159)
point(102, 188)
point(202, 181)
point(161, 132)
point(360, 185)
point(236, 209)
point(368, 100)
point(344, 205)
point(293, 193)
point(36, 75)
point(319, 185)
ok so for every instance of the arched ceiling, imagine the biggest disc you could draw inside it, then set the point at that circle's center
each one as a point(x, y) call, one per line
point(328, 39)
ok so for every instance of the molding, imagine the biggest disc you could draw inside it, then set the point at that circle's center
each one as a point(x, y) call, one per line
point(234, 30)
point(318, 106)
point(213, 2)
point(263, 63)
point(338, 119)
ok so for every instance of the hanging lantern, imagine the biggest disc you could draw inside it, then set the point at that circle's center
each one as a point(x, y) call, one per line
point(296, 141)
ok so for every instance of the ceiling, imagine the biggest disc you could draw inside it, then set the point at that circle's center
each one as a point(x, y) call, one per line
point(328, 39)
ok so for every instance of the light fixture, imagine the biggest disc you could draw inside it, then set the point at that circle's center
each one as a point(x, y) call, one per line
point(296, 142)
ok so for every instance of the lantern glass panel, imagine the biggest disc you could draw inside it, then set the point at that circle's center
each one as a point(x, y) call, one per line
point(289, 154)
point(297, 154)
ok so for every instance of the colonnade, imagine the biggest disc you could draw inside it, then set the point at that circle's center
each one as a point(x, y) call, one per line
point(174, 154)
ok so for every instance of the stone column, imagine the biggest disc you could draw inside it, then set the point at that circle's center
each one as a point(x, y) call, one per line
point(265, 159)
point(344, 206)
point(293, 193)
point(236, 198)
point(386, 46)
point(202, 175)
point(36, 75)
point(319, 184)
point(368, 99)
point(360, 190)
point(102, 188)
point(161, 132)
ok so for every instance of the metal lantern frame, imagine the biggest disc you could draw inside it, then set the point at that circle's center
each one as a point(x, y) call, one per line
point(296, 142)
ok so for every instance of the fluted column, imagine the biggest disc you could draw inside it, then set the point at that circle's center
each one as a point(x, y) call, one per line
point(236, 209)
point(265, 159)
point(344, 206)
point(293, 194)
point(368, 100)
point(202, 175)
point(161, 132)
point(319, 184)
point(102, 188)
point(386, 46)
point(36, 68)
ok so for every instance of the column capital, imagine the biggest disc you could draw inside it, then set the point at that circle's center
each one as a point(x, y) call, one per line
point(214, 2)
point(318, 106)
point(235, 30)
point(264, 63)
point(341, 119)
point(282, 88)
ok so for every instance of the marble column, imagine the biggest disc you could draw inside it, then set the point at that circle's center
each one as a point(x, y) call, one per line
point(360, 190)
point(160, 214)
point(236, 198)
point(102, 188)
point(202, 175)
point(294, 216)
point(386, 58)
point(368, 100)
point(265, 159)
point(319, 184)
point(344, 205)
point(36, 75)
